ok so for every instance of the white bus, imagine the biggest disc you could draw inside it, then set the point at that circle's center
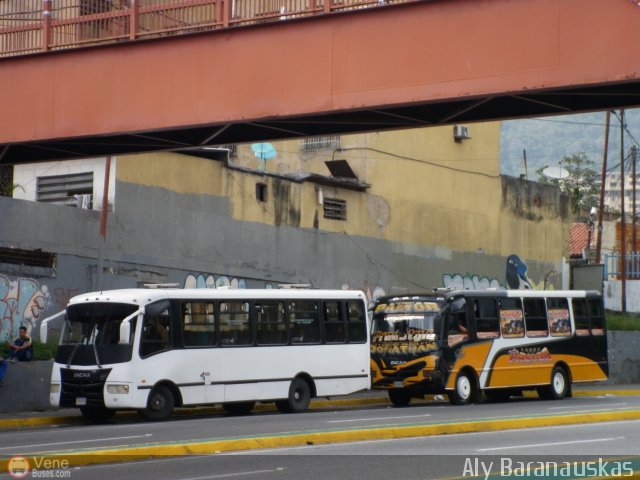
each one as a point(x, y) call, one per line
point(152, 350)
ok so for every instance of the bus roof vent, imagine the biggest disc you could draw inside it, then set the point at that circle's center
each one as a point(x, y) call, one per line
point(161, 285)
point(294, 285)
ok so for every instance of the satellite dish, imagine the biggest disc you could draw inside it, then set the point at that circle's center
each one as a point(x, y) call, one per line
point(555, 172)
point(264, 150)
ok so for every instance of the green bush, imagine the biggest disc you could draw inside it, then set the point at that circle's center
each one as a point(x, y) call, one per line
point(622, 321)
point(44, 351)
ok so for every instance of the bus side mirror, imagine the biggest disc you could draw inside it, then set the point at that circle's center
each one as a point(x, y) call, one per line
point(44, 327)
point(125, 333)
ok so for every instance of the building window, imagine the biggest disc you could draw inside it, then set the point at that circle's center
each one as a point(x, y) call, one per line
point(313, 144)
point(335, 209)
point(261, 192)
point(74, 189)
point(31, 258)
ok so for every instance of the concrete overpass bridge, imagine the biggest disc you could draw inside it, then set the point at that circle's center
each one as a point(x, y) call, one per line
point(230, 71)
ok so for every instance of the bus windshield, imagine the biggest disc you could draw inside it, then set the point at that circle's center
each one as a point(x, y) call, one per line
point(406, 326)
point(90, 334)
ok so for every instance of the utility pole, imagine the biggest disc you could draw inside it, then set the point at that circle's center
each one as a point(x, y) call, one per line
point(623, 224)
point(633, 207)
point(603, 179)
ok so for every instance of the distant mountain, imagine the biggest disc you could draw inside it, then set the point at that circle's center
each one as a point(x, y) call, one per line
point(547, 140)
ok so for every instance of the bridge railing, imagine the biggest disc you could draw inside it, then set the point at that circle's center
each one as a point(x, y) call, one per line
point(32, 26)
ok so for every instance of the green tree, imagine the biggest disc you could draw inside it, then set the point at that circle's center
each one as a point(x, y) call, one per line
point(582, 183)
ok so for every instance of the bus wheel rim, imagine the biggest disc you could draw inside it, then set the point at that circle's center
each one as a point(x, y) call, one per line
point(464, 387)
point(558, 382)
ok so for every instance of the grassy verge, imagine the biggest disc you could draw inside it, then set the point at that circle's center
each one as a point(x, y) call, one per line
point(623, 321)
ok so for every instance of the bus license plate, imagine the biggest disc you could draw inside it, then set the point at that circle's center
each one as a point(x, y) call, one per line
point(81, 401)
point(398, 384)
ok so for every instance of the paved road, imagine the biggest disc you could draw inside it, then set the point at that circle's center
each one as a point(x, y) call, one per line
point(326, 423)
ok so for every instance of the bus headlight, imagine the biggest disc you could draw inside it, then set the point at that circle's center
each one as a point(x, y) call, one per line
point(54, 388)
point(118, 389)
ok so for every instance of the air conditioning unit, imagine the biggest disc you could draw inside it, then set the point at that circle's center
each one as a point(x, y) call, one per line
point(460, 132)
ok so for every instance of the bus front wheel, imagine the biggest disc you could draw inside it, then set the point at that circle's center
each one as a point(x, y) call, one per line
point(399, 397)
point(464, 390)
point(299, 397)
point(159, 405)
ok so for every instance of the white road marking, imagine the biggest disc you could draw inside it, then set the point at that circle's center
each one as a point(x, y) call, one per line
point(550, 444)
point(573, 407)
point(378, 418)
point(235, 474)
point(17, 447)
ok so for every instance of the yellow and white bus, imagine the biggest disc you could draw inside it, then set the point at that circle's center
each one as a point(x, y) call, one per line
point(473, 344)
point(155, 349)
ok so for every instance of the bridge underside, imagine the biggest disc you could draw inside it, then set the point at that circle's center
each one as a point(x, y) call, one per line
point(405, 66)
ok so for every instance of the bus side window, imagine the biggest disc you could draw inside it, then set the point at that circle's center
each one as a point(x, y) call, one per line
point(304, 321)
point(334, 329)
point(486, 315)
point(511, 318)
point(458, 330)
point(356, 322)
point(235, 328)
point(270, 325)
point(580, 316)
point(198, 324)
point(156, 333)
point(596, 316)
point(558, 316)
point(535, 316)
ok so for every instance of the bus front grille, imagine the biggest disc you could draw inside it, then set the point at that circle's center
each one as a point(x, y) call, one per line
point(83, 387)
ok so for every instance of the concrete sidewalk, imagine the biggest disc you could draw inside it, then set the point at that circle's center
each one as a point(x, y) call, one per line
point(15, 420)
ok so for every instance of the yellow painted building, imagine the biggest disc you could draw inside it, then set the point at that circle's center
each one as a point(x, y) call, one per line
point(431, 207)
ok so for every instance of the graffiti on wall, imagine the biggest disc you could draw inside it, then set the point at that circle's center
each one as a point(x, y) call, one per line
point(22, 302)
point(516, 278)
point(210, 281)
point(468, 281)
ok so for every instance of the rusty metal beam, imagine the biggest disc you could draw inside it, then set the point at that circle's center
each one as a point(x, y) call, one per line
point(394, 67)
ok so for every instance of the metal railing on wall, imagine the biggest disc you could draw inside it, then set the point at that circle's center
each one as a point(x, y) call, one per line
point(615, 269)
point(33, 26)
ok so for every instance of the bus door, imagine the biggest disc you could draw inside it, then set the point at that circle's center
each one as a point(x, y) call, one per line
point(590, 338)
point(467, 345)
point(456, 333)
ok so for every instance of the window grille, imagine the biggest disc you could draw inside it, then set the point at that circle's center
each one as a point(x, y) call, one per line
point(335, 209)
point(74, 189)
point(32, 258)
point(313, 144)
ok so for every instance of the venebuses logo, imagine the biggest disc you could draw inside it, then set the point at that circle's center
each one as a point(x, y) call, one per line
point(18, 467)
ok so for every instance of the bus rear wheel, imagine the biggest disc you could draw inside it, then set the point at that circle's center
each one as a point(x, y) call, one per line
point(238, 408)
point(464, 390)
point(399, 397)
point(299, 397)
point(97, 414)
point(559, 386)
point(159, 405)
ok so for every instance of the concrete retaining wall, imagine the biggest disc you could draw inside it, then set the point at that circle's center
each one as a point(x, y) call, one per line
point(26, 385)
